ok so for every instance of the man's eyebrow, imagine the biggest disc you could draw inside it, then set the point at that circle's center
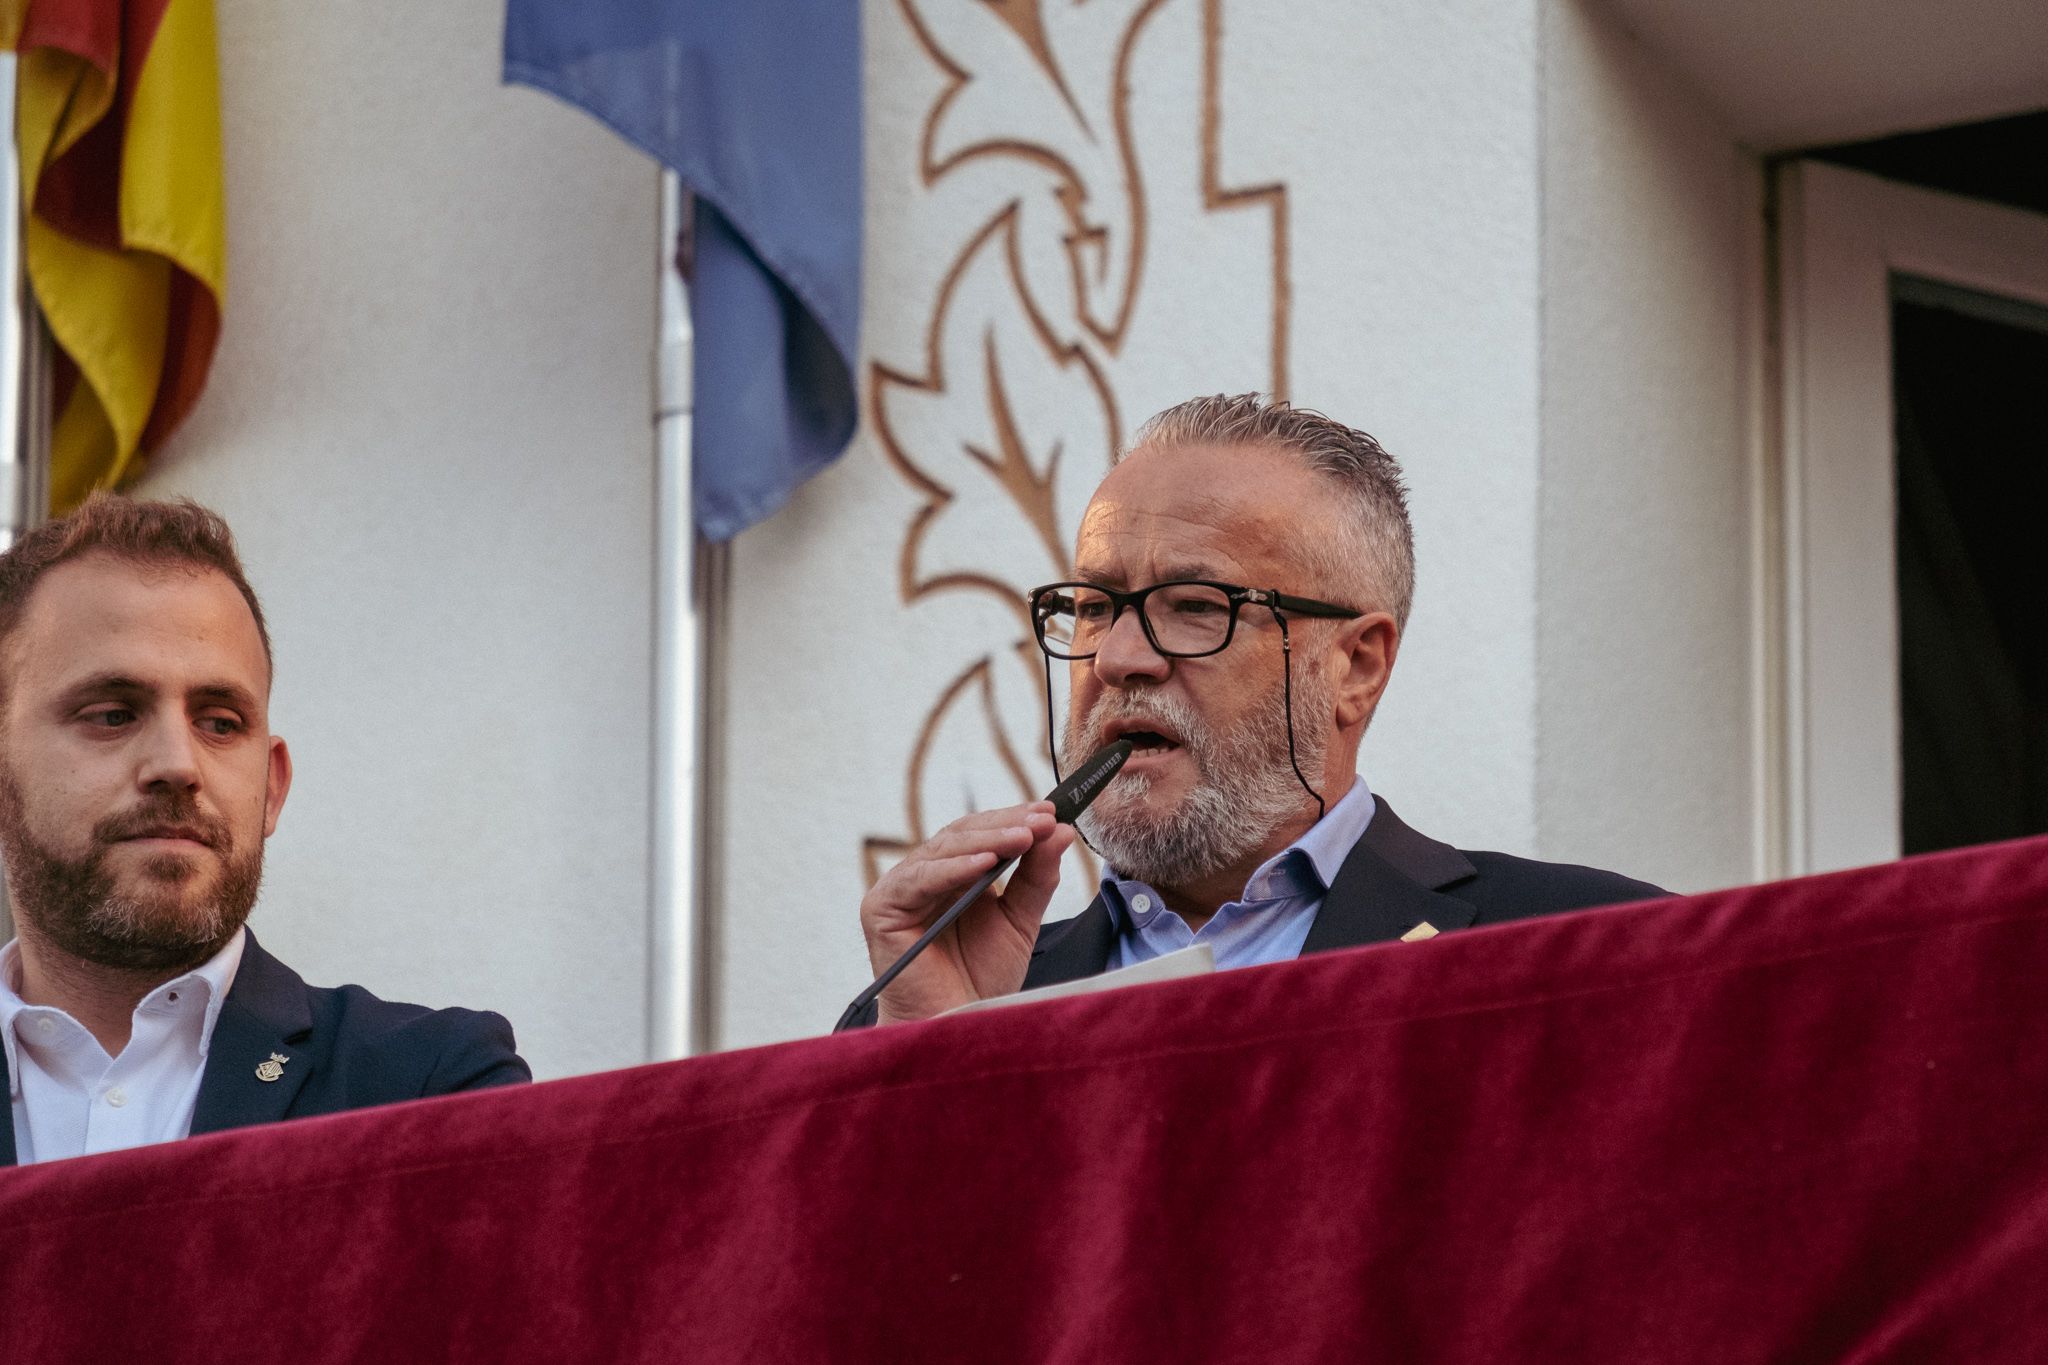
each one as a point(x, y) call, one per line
point(107, 685)
point(1188, 569)
point(1172, 573)
point(225, 694)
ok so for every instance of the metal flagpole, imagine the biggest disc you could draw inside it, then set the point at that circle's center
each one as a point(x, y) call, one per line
point(689, 588)
point(24, 363)
point(24, 381)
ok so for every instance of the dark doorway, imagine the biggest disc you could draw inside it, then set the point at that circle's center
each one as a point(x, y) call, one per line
point(1970, 389)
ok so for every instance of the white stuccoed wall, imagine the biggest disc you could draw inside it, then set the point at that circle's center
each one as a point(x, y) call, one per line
point(429, 425)
point(1408, 135)
point(1652, 255)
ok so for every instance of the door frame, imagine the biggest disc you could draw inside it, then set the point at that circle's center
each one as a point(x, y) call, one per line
point(1842, 235)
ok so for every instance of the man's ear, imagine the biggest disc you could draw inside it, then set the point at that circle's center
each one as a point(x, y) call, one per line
point(1368, 646)
point(276, 785)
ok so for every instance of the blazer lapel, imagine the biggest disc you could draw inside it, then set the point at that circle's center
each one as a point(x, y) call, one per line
point(1391, 883)
point(1070, 951)
point(264, 1019)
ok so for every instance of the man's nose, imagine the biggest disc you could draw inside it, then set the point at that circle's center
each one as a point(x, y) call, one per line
point(170, 756)
point(1126, 655)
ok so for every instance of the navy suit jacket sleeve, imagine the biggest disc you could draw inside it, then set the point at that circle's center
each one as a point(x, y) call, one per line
point(382, 1051)
point(481, 1056)
point(339, 1049)
point(1505, 887)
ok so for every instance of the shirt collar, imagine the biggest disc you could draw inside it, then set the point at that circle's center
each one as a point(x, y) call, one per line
point(1307, 866)
point(11, 1005)
point(215, 976)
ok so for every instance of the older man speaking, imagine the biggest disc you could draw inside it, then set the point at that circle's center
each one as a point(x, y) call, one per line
point(1242, 579)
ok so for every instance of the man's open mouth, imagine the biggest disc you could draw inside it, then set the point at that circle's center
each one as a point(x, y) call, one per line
point(1146, 741)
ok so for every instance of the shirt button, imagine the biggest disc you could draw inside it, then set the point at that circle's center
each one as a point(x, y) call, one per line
point(117, 1097)
point(1140, 903)
point(45, 1024)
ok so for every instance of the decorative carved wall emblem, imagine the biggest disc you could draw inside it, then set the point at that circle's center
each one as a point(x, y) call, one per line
point(1104, 271)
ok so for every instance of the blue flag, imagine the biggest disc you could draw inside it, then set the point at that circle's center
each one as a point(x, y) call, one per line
point(755, 104)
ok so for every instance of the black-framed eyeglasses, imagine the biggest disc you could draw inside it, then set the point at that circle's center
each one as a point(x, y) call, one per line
point(1185, 618)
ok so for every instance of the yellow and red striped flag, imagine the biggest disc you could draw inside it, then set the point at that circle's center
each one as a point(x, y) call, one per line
point(117, 121)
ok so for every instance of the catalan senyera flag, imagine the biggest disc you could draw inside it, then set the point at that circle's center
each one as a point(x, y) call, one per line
point(117, 122)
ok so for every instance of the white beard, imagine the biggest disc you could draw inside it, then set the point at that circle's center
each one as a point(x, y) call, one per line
point(1244, 790)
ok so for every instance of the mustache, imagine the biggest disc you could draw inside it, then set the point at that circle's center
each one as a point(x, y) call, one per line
point(155, 812)
point(1161, 711)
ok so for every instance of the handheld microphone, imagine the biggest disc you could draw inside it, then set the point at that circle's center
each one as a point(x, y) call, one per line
point(1069, 799)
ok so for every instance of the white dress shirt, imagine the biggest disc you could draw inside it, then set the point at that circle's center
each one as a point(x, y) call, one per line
point(71, 1099)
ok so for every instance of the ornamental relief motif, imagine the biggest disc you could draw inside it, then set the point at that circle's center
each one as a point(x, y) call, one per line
point(1103, 271)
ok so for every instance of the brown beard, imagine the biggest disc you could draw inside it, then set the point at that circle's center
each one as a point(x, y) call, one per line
point(74, 906)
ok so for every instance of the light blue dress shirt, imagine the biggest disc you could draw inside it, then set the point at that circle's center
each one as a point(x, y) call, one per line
point(1270, 922)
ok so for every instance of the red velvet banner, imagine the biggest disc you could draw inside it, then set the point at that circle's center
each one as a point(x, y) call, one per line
point(1803, 1122)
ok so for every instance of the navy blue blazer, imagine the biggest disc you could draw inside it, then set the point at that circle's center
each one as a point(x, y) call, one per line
point(1392, 880)
point(344, 1049)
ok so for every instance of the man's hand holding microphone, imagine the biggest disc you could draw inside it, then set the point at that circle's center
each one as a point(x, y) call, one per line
point(939, 934)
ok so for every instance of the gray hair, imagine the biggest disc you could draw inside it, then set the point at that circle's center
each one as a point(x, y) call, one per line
point(1379, 558)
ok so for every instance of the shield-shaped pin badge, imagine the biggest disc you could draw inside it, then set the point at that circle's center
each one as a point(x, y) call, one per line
point(272, 1069)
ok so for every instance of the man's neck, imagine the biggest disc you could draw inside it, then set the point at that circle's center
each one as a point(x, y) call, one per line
point(101, 998)
point(1197, 901)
